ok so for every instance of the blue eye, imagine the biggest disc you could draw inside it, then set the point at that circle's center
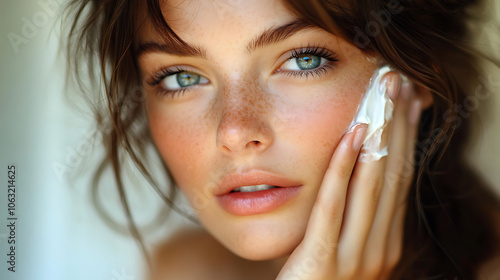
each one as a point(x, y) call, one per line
point(182, 79)
point(304, 62)
point(308, 61)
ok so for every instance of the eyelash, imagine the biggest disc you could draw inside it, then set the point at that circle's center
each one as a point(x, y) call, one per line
point(296, 53)
point(315, 51)
point(162, 74)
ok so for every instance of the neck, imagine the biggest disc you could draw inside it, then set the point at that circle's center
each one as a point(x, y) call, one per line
point(278, 263)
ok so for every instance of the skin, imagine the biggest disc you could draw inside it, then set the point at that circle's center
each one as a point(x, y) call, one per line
point(250, 116)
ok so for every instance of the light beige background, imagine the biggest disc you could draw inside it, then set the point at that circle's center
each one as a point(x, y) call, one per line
point(484, 152)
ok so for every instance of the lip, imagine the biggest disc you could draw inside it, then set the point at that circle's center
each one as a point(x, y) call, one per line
point(259, 202)
point(251, 178)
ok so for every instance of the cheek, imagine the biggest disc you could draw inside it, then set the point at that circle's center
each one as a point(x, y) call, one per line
point(335, 110)
point(179, 137)
point(313, 120)
point(320, 114)
point(319, 130)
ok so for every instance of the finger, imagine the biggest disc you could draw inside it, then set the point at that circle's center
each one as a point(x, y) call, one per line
point(394, 178)
point(396, 234)
point(362, 201)
point(326, 216)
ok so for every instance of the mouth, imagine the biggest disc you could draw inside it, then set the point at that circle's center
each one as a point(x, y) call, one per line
point(253, 181)
point(255, 192)
point(254, 188)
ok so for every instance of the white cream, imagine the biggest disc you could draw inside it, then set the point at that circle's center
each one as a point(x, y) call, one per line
point(375, 110)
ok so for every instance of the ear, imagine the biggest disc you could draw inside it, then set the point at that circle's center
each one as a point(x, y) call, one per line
point(425, 95)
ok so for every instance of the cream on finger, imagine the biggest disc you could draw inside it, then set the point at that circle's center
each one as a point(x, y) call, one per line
point(375, 110)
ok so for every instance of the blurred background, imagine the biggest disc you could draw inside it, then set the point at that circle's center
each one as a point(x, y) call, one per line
point(59, 233)
point(52, 143)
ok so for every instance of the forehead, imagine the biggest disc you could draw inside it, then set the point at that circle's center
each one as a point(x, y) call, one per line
point(190, 19)
point(185, 11)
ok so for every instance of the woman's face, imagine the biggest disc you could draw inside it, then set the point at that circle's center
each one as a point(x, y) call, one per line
point(259, 99)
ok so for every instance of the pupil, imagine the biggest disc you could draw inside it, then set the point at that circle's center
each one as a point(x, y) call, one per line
point(186, 79)
point(308, 62)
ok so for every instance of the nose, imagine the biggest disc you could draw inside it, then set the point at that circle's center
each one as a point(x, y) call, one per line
point(244, 124)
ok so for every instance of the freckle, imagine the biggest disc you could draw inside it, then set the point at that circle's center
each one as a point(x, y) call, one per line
point(244, 101)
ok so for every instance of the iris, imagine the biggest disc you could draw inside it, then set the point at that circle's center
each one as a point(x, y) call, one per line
point(308, 62)
point(186, 79)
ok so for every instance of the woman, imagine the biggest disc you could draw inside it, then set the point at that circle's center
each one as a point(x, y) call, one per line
point(250, 105)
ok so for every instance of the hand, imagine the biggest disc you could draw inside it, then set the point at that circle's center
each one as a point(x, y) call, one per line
point(355, 230)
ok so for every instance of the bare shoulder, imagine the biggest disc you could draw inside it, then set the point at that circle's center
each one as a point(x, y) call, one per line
point(190, 254)
point(195, 254)
point(187, 242)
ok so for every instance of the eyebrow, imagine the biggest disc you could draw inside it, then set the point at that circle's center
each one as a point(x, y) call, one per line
point(277, 34)
point(268, 37)
point(173, 47)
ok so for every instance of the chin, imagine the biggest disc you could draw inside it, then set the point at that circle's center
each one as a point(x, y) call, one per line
point(266, 240)
point(259, 237)
point(262, 249)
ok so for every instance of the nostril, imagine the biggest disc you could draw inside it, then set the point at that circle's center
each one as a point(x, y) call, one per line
point(257, 143)
point(254, 143)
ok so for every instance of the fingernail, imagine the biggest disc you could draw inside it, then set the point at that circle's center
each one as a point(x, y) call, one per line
point(393, 83)
point(415, 111)
point(359, 138)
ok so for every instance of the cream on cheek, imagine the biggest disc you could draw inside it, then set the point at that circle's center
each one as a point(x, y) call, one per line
point(375, 110)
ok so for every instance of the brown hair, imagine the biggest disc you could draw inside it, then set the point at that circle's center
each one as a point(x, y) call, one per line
point(449, 229)
point(449, 223)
